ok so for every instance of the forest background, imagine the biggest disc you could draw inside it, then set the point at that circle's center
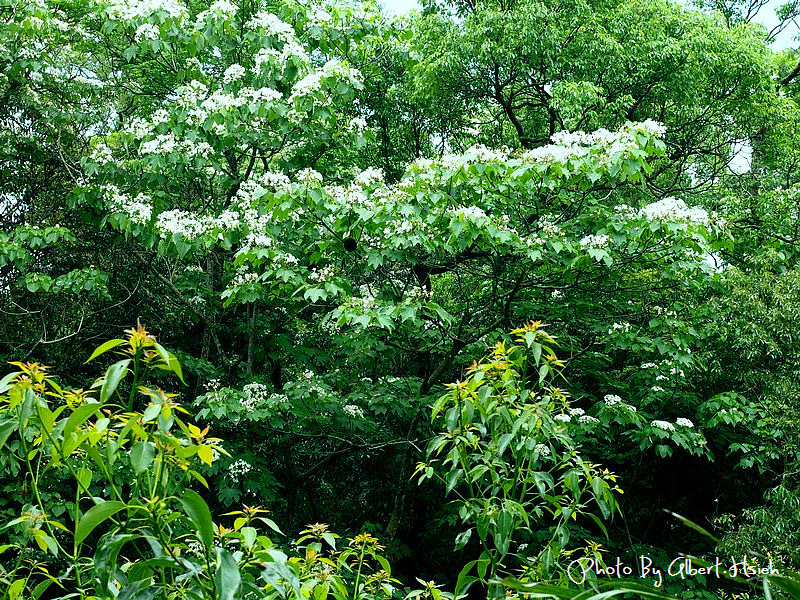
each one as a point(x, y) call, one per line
point(482, 288)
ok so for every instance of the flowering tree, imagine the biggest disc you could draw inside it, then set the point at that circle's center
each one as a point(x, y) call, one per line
point(212, 148)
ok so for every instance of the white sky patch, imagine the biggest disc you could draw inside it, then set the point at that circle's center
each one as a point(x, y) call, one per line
point(399, 7)
point(742, 159)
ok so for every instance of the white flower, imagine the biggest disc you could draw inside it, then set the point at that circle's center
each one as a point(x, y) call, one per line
point(612, 399)
point(683, 422)
point(239, 468)
point(563, 418)
point(309, 176)
point(619, 328)
point(674, 209)
point(542, 449)
point(595, 242)
point(272, 24)
point(357, 124)
point(138, 209)
point(665, 425)
point(369, 177)
point(220, 7)
point(587, 419)
point(354, 411)
point(132, 9)
point(577, 412)
point(233, 73)
point(147, 31)
point(255, 394)
point(182, 222)
point(322, 275)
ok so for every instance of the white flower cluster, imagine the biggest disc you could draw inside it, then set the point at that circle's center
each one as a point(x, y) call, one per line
point(167, 144)
point(239, 468)
point(129, 10)
point(244, 278)
point(195, 547)
point(542, 449)
point(312, 83)
point(588, 419)
point(268, 57)
point(549, 228)
point(138, 209)
point(564, 418)
point(419, 294)
point(309, 177)
point(674, 210)
point(233, 73)
point(102, 154)
point(482, 154)
point(567, 145)
point(262, 94)
point(222, 8)
point(365, 303)
point(665, 425)
point(468, 213)
point(278, 401)
point(354, 411)
point(684, 422)
point(254, 394)
point(272, 25)
point(187, 224)
point(619, 328)
point(147, 31)
point(322, 275)
point(612, 399)
point(357, 124)
point(595, 242)
point(369, 177)
point(276, 181)
point(577, 412)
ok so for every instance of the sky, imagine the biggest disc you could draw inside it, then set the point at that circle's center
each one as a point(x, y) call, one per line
point(398, 7)
point(765, 16)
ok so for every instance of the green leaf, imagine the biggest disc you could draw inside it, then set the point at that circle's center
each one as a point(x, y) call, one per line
point(101, 349)
point(197, 510)
point(142, 455)
point(79, 416)
point(94, 516)
point(227, 579)
point(15, 589)
point(693, 525)
point(84, 477)
point(113, 376)
point(452, 479)
point(7, 427)
point(5, 383)
point(138, 590)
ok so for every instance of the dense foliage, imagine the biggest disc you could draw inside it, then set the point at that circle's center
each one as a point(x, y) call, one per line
point(327, 215)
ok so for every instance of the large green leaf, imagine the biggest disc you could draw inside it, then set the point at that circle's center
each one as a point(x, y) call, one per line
point(227, 579)
point(113, 376)
point(142, 455)
point(102, 348)
point(7, 427)
point(95, 516)
point(197, 510)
